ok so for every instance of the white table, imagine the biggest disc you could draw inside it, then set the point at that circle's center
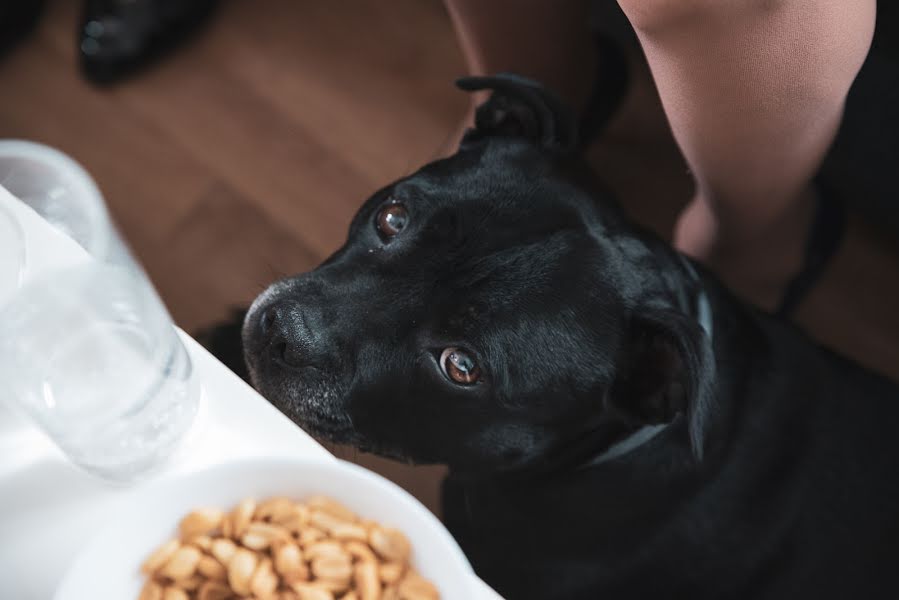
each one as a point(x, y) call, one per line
point(48, 508)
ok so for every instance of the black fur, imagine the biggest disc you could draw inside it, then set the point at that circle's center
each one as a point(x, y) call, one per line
point(775, 473)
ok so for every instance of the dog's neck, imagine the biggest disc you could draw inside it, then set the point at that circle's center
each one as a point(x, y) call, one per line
point(696, 301)
point(684, 284)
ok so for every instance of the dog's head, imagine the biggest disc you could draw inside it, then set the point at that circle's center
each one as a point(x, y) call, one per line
point(484, 312)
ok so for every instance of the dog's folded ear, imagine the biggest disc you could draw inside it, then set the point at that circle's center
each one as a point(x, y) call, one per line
point(665, 370)
point(520, 107)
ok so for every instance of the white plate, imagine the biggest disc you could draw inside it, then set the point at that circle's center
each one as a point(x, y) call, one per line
point(108, 568)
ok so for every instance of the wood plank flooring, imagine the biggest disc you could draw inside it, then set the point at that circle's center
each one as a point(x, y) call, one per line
point(244, 156)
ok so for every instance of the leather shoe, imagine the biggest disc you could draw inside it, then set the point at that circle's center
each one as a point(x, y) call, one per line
point(120, 37)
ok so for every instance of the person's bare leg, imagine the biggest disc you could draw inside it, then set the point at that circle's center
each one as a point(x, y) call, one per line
point(546, 40)
point(754, 91)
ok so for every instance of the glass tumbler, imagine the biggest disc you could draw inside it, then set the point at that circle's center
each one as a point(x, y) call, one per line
point(88, 350)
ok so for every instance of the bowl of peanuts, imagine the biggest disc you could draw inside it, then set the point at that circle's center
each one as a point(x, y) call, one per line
point(272, 529)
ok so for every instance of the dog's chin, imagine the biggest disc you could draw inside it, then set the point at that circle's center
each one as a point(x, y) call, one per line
point(309, 397)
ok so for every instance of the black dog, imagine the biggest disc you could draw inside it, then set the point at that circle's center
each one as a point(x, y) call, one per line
point(616, 424)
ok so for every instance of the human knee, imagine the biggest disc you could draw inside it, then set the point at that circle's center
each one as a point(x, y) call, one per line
point(656, 15)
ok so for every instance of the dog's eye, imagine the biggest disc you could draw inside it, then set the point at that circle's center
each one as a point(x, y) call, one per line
point(392, 219)
point(459, 366)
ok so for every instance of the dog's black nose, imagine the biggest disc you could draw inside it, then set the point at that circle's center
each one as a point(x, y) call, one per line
point(288, 338)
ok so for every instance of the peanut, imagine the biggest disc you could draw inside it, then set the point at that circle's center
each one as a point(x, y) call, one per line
point(279, 549)
point(242, 516)
point(325, 504)
point(273, 509)
point(310, 535)
point(203, 542)
point(259, 536)
point(360, 551)
point(389, 543)
point(151, 591)
point(368, 583)
point(240, 570)
point(264, 581)
point(191, 583)
point(392, 572)
point(160, 556)
point(200, 522)
point(212, 569)
point(326, 548)
point(308, 591)
point(294, 521)
point(173, 593)
point(349, 531)
point(288, 559)
point(182, 563)
point(414, 587)
point(214, 590)
point(332, 568)
point(223, 550)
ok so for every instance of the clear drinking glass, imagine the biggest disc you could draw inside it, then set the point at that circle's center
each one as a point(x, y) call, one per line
point(12, 260)
point(88, 350)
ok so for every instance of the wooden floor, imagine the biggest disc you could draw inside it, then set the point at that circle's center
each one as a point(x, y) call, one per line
point(244, 156)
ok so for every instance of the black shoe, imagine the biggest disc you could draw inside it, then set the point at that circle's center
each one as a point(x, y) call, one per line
point(825, 236)
point(17, 19)
point(119, 37)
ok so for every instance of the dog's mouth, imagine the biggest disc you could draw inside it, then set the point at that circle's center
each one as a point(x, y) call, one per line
point(329, 429)
point(310, 397)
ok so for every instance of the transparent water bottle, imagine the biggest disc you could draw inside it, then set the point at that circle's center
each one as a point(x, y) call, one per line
point(87, 349)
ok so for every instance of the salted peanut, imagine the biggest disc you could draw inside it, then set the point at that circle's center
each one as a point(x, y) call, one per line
point(415, 587)
point(203, 542)
point(325, 521)
point(390, 544)
point(223, 549)
point(173, 593)
point(259, 536)
point(299, 576)
point(391, 572)
point(214, 590)
point(201, 521)
point(332, 507)
point(349, 531)
point(240, 570)
point(241, 517)
point(309, 536)
point(191, 583)
point(368, 523)
point(151, 591)
point(332, 568)
point(288, 559)
point(368, 583)
point(360, 551)
point(228, 526)
point(336, 587)
point(325, 548)
point(295, 520)
point(391, 592)
point(283, 550)
point(264, 582)
point(211, 568)
point(182, 564)
point(160, 556)
point(273, 508)
point(309, 591)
